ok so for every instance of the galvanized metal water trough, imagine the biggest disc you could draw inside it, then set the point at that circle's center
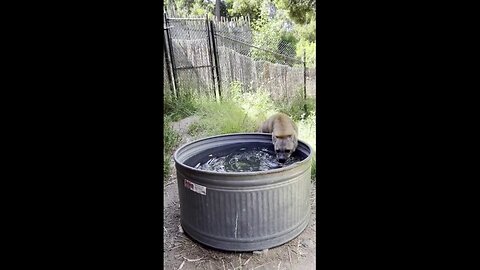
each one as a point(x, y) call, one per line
point(242, 211)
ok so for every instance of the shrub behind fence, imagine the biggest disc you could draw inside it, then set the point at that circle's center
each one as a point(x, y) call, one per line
point(206, 57)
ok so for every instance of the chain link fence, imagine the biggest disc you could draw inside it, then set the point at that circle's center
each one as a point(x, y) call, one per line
point(255, 67)
point(207, 57)
point(191, 55)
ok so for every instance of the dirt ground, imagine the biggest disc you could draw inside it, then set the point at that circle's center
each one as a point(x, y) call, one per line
point(181, 252)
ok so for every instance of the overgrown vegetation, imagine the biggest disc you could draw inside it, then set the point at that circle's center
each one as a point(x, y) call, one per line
point(298, 108)
point(170, 140)
point(175, 109)
point(244, 112)
point(275, 22)
point(179, 108)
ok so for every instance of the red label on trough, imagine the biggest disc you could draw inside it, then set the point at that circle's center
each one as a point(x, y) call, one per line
point(195, 187)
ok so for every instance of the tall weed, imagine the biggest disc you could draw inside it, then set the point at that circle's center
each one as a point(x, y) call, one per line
point(178, 108)
point(170, 141)
point(222, 118)
point(297, 107)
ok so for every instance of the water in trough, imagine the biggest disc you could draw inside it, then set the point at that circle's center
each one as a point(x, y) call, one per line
point(243, 159)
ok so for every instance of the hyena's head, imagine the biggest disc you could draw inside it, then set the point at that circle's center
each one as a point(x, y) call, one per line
point(284, 146)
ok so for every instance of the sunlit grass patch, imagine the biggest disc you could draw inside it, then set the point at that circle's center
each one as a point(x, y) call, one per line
point(222, 118)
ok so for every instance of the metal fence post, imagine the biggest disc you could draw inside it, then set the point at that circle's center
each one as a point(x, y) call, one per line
point(167, 64)
point(215, 54)
point(172, 58)
point(210, 57)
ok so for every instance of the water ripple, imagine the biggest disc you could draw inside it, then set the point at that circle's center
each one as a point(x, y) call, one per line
point(246, 160)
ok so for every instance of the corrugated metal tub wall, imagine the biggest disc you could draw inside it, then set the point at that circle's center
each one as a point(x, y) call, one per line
point(242, 211)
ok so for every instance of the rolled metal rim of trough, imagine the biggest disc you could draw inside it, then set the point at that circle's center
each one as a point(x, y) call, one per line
point(289, 167)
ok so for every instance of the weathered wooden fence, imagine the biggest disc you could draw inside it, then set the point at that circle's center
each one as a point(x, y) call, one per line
point(205, 56)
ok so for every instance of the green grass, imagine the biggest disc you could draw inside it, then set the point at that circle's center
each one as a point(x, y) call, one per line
point(297, 107)
point(307, 132)
point(170, 141)
point(242, 112)
point(181, 107)
point(222, 118)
